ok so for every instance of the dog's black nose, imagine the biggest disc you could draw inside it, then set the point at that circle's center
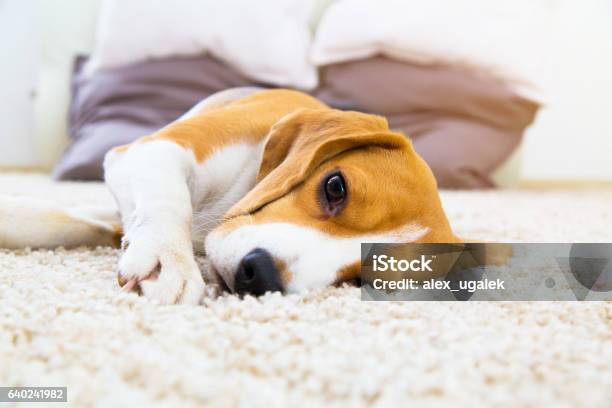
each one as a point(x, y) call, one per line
point(257, 274)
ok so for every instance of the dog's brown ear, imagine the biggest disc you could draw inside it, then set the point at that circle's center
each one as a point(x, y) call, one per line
point(299, 142)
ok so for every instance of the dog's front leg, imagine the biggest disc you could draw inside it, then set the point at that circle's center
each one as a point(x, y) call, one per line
point(150, 183)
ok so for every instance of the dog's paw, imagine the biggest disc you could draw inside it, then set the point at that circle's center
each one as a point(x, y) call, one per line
point(164, 273)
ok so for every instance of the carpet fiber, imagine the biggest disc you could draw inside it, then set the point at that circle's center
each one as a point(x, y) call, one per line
point(63, 322)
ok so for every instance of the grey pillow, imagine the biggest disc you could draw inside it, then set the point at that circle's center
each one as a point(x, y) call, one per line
point(118, 106)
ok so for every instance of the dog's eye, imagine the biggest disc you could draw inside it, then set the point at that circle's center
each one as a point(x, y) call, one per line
point(334, 189)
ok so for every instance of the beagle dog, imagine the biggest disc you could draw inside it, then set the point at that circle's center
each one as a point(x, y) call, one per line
point(276, 188)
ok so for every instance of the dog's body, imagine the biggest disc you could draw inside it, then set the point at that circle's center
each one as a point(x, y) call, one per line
point(277, 188)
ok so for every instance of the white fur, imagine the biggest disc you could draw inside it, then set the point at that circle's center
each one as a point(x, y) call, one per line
point(159, 186)
point(313, 258)
point(219, 182)
point(149, 182)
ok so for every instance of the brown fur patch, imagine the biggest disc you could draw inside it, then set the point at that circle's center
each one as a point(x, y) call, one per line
point(248, 119)
point(120, 149)
point(285, 274)
point(348, 273)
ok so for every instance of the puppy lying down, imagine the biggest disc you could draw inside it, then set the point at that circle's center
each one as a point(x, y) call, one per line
point(277, 189)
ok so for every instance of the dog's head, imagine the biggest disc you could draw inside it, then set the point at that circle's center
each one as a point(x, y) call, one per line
point(328, 180)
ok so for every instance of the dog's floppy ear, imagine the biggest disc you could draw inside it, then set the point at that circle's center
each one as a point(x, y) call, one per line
point(299, 142)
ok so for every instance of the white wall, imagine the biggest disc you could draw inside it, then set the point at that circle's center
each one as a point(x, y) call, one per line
point(38, 42)
point(19, 51)
point(67, 29)
point(572, 137)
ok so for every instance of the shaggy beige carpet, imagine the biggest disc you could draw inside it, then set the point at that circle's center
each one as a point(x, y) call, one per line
point(63, 322)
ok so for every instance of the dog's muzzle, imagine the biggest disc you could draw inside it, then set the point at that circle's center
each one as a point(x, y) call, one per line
point(257, 274)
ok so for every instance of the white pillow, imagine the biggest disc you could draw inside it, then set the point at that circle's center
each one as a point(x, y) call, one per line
point(267, 41)
point(506, 38)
